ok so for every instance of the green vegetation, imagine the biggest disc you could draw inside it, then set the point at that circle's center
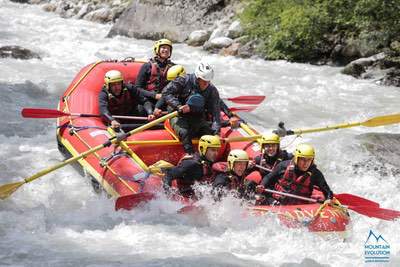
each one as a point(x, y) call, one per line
point(303, 30)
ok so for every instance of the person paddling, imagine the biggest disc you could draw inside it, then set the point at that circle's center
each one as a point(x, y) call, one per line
point(271, 154)
point(196, 98)
point(118, 98)
point(173, 73)
point(297, 176)
point(231, 175)
point(193, 168)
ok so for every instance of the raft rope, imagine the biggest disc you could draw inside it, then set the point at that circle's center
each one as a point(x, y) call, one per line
point(107, 166)
point(74, 128)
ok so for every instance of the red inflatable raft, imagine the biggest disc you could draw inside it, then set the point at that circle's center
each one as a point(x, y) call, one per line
point(131, 167)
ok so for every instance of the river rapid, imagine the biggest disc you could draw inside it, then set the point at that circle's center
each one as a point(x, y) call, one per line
point(58, 220)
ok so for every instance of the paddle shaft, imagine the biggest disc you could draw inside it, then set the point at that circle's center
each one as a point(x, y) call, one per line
point(263, 168)
point(373, 122)
point(323, 129)
point(293, 196)
point(114, 116)
point(110, 141)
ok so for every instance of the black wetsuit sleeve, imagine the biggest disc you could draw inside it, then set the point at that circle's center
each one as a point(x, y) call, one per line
point(103, 106)
point(172, 90)
point(318, 179)
point(160, 103)
point(220, 180)
point(148, 107)
point(273, 177)
point(225, 109)
point(139, 93)
point(257, 160)
point(219, 184)
point(188, 170)
point(144, 76)
point(215, 108)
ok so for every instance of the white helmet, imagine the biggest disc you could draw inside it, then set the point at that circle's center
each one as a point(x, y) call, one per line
point(112, 76)
point(204, 71)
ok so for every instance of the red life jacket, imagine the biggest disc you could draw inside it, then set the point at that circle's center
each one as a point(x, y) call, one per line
point(291, 183)
point(122, 105)
point(264, 163)
point(158, 77)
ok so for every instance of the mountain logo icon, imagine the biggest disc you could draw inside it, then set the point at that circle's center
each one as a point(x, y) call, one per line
point(377, 238)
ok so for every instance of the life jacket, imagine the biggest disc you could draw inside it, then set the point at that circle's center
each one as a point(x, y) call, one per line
point(291, 183)
point(158, 76)
point(263, 162)
point(122, 104)
point(185, 185)
point(235, 182)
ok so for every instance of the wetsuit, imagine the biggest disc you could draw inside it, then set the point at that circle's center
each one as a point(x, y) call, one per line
point(186, 173)
point(131, 102)
point(286, 177)
point(193, 124)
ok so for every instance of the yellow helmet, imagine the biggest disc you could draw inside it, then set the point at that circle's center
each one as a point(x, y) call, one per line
point(269, 139)
point(175, 72)
point(159, 43)
point(304, 151)
point(112, 76)
point(207, 141)
point(237, 155)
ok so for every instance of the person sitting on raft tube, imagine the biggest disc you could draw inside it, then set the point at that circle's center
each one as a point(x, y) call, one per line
point(193, 168)
point(271, 154)
point(118, 98)
point(297, 176)
point(231, 175)
point(153, 74)
point(173, 73)
point(195, 97)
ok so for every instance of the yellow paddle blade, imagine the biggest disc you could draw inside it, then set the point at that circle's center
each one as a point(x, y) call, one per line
point(382, 120)
point(7, 189)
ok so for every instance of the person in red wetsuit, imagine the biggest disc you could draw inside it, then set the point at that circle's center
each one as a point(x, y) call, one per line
point(297, 176)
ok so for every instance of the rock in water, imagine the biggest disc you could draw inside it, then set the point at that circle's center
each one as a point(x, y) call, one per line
point(17, 52)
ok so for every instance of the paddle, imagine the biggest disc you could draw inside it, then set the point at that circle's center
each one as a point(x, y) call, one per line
point(44, 113)
point(247, 99)
point(243, 109)
point(370, 211)
point(7, 189)
point(373, 122)
point(129, 202)
point(353, 200)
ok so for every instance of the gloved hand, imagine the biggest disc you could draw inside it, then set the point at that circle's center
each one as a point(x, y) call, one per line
point(184, 109)
point(260, 189)
point(234, 122)
point(115, 124)
point(157, 112)
point(251, 164)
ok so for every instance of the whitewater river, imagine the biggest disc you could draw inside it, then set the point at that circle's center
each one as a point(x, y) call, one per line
point(59, 221)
